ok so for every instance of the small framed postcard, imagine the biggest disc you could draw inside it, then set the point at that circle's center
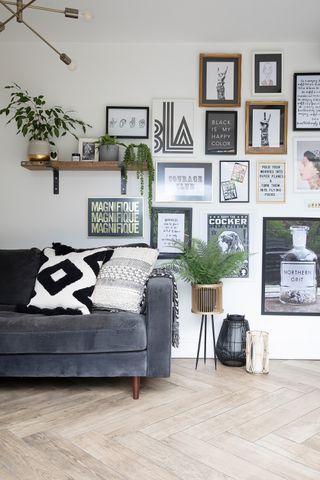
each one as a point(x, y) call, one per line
point(128, 122)
point(88, 150)
point(306, 101)
point(266, 127)
point(234, 181)
point(267, 73)
point(221, 132)
point(169, 225)
point(220, 80)
point(306, 153)
point(184, 182)
point(271, 181)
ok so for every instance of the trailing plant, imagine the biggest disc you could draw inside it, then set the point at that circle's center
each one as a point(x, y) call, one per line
point(204, 263)
point(137, 156)
point(35, 120)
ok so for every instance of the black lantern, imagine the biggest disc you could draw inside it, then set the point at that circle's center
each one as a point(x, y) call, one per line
point(231, 344)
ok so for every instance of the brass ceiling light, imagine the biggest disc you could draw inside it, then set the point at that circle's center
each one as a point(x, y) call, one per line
point(18, 14)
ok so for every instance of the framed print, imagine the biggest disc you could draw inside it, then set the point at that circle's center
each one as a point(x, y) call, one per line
point(169, 225)
point(306, 101)
point(173, 127)
point(290, 266)
point(115, 217)
point(221, 132)
point(266, 127)
point(233, 235)
point(307, 165)
point(128, 122)
point(271, 181)
point(267, 73)
point(184, 182)
point(87, 149)
point(220, 80)
point(234, 180)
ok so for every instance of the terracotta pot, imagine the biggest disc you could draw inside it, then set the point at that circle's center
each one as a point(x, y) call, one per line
point(207, 298)
point(38, 150)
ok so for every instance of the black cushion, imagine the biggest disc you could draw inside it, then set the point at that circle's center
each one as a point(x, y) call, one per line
point(18, 270)
point(100, 332)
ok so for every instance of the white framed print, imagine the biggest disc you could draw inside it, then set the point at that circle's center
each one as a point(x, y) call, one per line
point(183, 182)
point(271, 181)
point(173, 127)
point(306, 164)
point(234, 180)
point(88, 149)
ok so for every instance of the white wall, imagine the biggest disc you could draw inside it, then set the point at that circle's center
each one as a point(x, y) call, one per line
point(30, 215)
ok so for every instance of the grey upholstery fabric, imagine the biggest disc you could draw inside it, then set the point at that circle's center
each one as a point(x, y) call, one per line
point(18, 270)
point(99, 332)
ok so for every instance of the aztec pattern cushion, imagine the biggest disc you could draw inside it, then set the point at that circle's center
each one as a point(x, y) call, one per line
point(121, 281)
point(65, 283)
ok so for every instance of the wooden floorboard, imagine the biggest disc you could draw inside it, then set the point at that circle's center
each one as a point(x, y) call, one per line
point(197, 425)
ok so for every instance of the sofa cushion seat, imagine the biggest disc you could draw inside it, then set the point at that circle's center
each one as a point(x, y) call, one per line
point(100, 332)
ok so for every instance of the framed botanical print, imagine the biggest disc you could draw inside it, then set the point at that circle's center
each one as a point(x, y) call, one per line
point(306, 154)
point(306, 101)
point(170, 225)
point(267, 73)
point(183, 182)
point(271, 181)
point(127, 122)
point(220, 80)
point(266, 127)
point(221, 132)
point(234, 181)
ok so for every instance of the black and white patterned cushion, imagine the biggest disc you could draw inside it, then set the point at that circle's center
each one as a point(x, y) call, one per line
point(121, 281)
point(65, 283)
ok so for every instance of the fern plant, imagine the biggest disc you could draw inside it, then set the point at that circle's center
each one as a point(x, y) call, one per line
point(204, 263)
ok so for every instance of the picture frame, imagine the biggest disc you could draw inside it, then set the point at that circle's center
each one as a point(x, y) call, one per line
point(169, 224)
point(306, 159)
point(221, 132)
point(115, 217)
point(271, 181)
point(127, 122)
point(232, 231)
point(266, 127)
point(234, 181)
point(173, 132)
point(306, 101)
point(183, 182)
point(88, 150)
point(220, 80)
point(289, 286)
point(267, 73)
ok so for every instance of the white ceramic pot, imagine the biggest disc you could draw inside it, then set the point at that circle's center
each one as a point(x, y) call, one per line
point(38, 150)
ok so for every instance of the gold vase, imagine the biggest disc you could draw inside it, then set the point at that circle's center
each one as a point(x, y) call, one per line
point(207, 299)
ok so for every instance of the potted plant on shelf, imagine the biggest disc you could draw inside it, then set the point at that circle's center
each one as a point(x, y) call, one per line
point(204, 265)
point(38, 122)
point(108, 148)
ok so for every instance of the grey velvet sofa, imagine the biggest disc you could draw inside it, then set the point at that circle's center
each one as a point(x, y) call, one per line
point(102, 344)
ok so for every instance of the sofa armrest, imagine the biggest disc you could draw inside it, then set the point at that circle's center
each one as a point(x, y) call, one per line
point(159, 326)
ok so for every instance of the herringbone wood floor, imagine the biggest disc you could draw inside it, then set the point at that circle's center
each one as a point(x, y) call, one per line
point(195, 425)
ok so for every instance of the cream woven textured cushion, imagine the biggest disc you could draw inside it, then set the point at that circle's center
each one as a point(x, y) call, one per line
point(121, 281)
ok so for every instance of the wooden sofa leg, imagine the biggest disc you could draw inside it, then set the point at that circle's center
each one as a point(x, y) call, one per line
point(135, 387)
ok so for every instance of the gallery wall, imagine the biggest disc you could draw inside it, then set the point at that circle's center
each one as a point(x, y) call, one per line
point(133, 75)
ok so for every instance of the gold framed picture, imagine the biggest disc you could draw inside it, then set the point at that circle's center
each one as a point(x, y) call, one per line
point(271, 181)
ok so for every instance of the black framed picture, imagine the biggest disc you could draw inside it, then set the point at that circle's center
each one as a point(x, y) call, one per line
point(115, 217)
point(290, 266)
point(169, 225)
point(220, 80)
point(232, 231)
point(221, 132)
point(266, 127)
point(234, 180)
point(183, 182)
point(128, 122)
point(306, 101)
point(267, 73)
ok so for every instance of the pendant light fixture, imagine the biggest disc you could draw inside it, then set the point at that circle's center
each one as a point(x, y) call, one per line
point(17, 12)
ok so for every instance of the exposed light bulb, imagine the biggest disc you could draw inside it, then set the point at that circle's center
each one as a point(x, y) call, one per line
point(72, 66)
point(87, 15)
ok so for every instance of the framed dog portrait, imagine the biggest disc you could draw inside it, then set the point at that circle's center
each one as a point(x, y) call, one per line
point(267, 73)
point(220, 80)
point(232, 231)
point(266, 127)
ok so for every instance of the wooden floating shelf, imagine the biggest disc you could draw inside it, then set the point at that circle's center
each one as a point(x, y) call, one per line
point(62, 165)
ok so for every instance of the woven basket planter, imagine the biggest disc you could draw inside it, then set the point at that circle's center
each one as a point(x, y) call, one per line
point(207, 299)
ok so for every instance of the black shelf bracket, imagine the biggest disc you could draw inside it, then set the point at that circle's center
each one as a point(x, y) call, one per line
point(123, 182)
point(55, 181)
